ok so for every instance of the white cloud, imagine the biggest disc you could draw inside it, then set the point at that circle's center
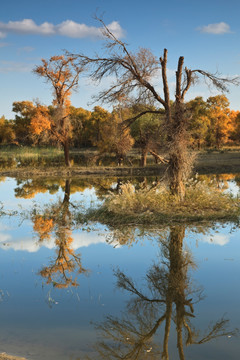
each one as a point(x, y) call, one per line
point(116, 29)
point(4, 238)
point(28, 244)
point(72, 29)
point(27, 26)
point(216, 29)
point(67, 28)
point(86, 239)
point(217, 239)
point(32, 245)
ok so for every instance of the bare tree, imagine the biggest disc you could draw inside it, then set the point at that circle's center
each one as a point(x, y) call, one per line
point(168, 296)
point(134, 73)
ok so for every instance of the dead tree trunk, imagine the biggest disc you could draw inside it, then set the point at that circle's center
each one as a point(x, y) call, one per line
point(180, 162)
point(158, 158)
point(176, 129)
point(179, 159)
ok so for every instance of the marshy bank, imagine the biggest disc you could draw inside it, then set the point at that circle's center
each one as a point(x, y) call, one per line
point(27, 162)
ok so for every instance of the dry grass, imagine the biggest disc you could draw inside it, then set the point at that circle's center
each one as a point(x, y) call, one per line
point(4, 356)
point(156, 205)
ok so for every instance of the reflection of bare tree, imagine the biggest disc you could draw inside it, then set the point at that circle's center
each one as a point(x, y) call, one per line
point(57, 220)
point(169, 297)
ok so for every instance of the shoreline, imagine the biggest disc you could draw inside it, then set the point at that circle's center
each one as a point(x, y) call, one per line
point(5, 356)
point(206, 163)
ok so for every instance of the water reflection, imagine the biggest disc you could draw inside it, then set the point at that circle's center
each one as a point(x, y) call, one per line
point(29, 188)
point(161, 316)
point(57, 220)
point(168, 298)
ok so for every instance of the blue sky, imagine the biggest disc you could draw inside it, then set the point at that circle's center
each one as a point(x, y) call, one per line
point(206, 33)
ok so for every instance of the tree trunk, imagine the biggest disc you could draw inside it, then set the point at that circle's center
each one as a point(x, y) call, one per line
point(144, 157)
point(67, 191)
point(178, 275)
point(120, 160)
point(199, 144)
point(179, 158)
point(180, 161)
point(218, 140)
point(66, 153)
point(176, 178)
point(169, 301)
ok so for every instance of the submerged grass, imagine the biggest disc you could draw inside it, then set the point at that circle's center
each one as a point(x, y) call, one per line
point(203, 202)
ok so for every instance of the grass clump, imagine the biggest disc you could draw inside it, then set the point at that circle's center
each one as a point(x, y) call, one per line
point(203, 202)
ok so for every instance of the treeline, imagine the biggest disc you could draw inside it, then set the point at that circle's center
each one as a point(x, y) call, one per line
point(211, 123)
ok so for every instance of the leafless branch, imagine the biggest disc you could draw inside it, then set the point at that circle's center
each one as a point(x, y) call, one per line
point(219, 82)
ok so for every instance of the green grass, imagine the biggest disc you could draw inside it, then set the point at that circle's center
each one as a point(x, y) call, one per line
point(29, 158)
point(29, 151)
point(158, 206)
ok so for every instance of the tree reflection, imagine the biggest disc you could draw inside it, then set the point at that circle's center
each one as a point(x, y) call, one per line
point(29, 188)
point(168, 297)
point(57, 220)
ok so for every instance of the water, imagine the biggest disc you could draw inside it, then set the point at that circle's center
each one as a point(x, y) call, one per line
point(76, 292)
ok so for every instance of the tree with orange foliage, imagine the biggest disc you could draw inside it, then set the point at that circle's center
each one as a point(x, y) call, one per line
point(62, 73)
point(235, 120)
point(220, 120)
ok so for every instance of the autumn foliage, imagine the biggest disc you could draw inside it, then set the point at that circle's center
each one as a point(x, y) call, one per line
point(56, 222)
point(62, 73)
point(43, 227)
point(41, 121)
point(211, 124)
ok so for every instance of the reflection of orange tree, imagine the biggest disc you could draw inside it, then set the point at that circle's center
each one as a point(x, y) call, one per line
point(57, 220)
point(218, 180)
point(168, 299)
point(27, 189)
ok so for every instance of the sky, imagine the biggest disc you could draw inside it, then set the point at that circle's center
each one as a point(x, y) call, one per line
point(205, 32)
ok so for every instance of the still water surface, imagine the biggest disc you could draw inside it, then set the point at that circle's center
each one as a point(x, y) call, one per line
point(91, 292)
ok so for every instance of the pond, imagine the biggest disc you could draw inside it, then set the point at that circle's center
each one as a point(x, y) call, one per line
point(88, 291)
